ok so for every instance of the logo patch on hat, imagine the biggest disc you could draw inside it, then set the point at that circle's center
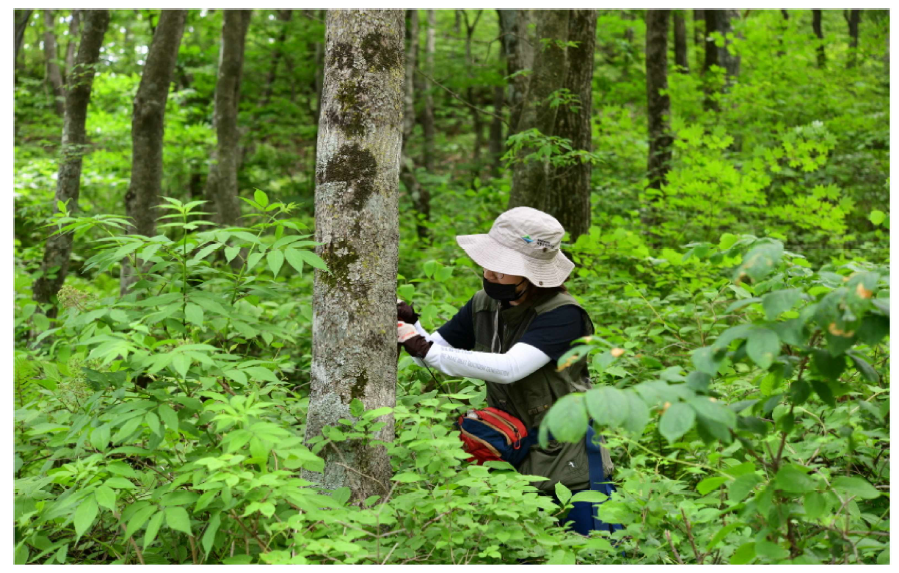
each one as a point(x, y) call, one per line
point(528, 239)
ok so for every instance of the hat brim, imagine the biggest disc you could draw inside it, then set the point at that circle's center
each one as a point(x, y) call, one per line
point(492, 255)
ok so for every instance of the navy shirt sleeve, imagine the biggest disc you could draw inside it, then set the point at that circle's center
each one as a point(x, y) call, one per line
point(554, 331)
point(459, 331)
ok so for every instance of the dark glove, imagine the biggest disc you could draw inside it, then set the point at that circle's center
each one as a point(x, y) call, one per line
point(415, 344)
point(405, 312)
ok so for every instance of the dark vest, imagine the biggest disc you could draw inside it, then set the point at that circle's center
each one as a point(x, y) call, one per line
point(497, 330)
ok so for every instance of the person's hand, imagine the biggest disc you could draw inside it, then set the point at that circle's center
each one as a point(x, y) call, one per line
point(405, 312)
point(414, 343)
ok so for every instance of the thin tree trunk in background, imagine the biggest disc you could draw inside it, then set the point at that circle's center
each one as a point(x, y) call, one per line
point(529, 179)
point(477, 123)
point(819, 32)
point(22, 17)
point(51, 57)
point(407, 165)
point(699, 35)
point(427, 119)
point(658, 107)
point(148, 129)
point(785, 14)
point(58, 248)
point(854, 18)
point(728, 61)
point(680, 42)
point(284, 17)
point(568, 196)
point(72, 44)
point(357, 225)
point(221, 184)
point(496, 131)
point(711, 59)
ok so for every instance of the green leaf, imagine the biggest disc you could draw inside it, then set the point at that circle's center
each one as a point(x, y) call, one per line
point(763, 346)
point(713, 411)
point(855, 486)
point(100, 437)
point(562, 493)
point(864, 367)
point(742, 486)
point(194, 314)
point(237, 376)
point(275, 260)
point(616, 512)
point(211, 529)
point(589, 496)
point(744, 554)
point(261, 373)
point(261, 198)
point(153, 529)
point(830, 367)
point(181, 364)
point(607, 405)
point(341, 495)
point(178, 519)
point(138, 520)
point(152, 421)
point(778, 302)
point(710, 484)
point(407, 477)
point(85, 515)
point(760, 261)
point(119, 482)
point(231, 252)
point(792, 478)
point(294, 259)
point(637, 413)
point(168, 417)
point(815, 505)
point(313, 260)
point(105, 497)
point(676, 421)
point(772, 551)
point(253, 259)
point(721, 534)
point(876, 217)
point(567, 419)
point(704, 359)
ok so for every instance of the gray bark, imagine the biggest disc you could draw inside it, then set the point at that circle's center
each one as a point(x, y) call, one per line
point(476, 121)
point(518, 49)
point(407, 167)
point(68, 183)
point(853, 20)
point(728, 61)
point(427, 119)
point(221, 184)
point(496, 131)
point(354, 305)
point(72, 44)
point(51, 58)
point(148, 129)
point(819, 32)
point(680, 42)
point(658, 105)
point(568, 195)
point(529, 179)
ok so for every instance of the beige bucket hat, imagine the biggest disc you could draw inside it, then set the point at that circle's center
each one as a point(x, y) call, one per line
point(525, 242)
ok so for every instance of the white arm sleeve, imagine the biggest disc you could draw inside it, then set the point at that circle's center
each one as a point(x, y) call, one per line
point(435, 338)
point(520, 361)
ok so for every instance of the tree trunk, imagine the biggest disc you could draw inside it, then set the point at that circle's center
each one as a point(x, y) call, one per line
point(221, 184)
point(518, 48)
point(785, 14)
point(55, 264)
point(354, 305)
point(476, 121)
point(72, 44)
point(496, 131)
point(658, 105)
point(819, 32)
point(698, 28)
point(568, 196)
point(51, 57)
point(680, 43)
point(428, 115)
point(529, 179)
point(854, 18)
point(711, 59)
point(147, 130)
point(22, 17)
point(284, 17)
point(407, 165)
point(728, 61)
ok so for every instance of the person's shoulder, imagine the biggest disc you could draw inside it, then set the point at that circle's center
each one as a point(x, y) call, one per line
point(480, 301)
point(561, 315)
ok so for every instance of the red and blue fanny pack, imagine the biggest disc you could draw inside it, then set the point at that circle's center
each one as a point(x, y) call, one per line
point(493, 435)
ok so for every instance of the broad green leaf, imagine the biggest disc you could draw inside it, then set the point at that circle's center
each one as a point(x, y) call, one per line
point(178, 519)
point(100, 437)
point(676, 421)
point(275, 260)
point(261, 198)
point(793, 479)
point(237, 376)
point(231, 252)
point(181, 364)
point(771, 550)
point(118, 482)
point(562, 493)
point(85, 515)
point(138, 520)
point(714, 411)
point(313, 260)
point(637, 413)
point(815, 505)
point(744, 554)
point(153, 528)
point(763, 346)
point(259, 373)
point(105, 497)
point(710, 484)
point(294, 259)
point(607, 405)
point(743, 486)
point(760, 261)
point(168, 417)
point(855, 486)
point(567, 419)
point(211, 529)
point(407, 477)
point(589, 496)
point(778, 302)
point(876, 217)
point(830, 367)
point(704, 359)
point(194, 314)
point(153, 423)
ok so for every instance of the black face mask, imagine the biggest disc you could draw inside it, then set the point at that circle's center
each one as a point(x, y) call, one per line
point(502, 292)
